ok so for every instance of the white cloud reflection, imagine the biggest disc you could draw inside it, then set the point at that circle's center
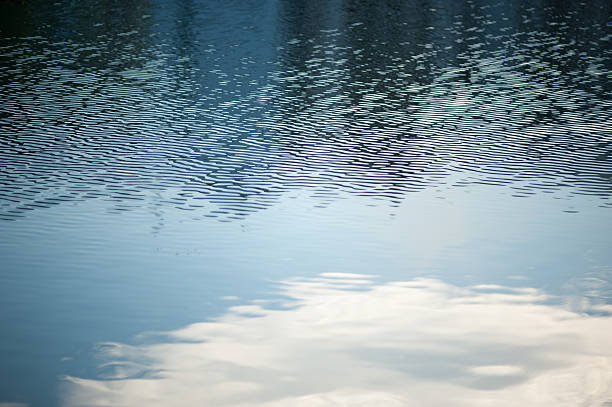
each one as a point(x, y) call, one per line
point(344, 341)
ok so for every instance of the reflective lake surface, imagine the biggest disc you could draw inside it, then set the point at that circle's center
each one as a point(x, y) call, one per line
point(420, 342)
point(281, 203)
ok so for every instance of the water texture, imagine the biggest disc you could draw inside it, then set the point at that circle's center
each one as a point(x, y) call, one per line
point(314, 203)
point(221, 113)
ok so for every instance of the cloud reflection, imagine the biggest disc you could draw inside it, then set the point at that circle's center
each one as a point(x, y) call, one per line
point(346, 340)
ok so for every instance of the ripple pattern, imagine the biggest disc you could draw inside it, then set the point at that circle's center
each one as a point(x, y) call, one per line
point(202, 109)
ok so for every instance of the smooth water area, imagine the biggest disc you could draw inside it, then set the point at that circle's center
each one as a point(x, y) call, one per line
point(283, 203)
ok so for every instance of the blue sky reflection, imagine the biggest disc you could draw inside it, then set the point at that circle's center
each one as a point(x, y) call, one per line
point(343, 339)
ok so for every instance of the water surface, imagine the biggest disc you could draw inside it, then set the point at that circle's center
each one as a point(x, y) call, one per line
point(305, 204)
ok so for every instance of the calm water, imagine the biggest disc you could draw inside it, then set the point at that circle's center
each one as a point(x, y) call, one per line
point(286, 203)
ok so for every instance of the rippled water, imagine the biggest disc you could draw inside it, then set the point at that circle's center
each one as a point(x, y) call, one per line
point(164, 163)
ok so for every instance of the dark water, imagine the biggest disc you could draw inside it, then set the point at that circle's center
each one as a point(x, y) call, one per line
point(320, 203)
